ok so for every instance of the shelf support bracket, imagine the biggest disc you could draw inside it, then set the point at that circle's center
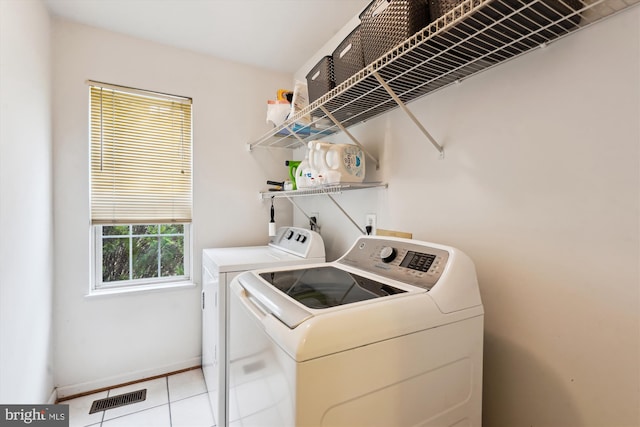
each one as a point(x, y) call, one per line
point(408, 112)
point(335, 203)
point(298, 207)
point(302, 141)
point(346, 214)
point(346, 132)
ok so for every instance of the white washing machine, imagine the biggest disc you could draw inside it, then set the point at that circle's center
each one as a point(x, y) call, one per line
point(391, 334)
point(290, 246)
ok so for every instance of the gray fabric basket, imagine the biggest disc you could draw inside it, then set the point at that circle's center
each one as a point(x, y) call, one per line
point(348, 57)
point(382, 30)
point(320, 79)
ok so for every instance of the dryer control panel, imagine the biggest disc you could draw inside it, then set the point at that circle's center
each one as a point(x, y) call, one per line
point(404, 260)
point(298, 241)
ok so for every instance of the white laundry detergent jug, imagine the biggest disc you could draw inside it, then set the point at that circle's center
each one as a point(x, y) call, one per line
point(318, 151)
point(305, 174)
point(347, 160)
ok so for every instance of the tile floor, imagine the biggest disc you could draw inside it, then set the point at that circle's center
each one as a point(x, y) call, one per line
point(178, 400)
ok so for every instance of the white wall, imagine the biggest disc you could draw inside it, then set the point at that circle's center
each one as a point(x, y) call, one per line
point(540, 185)
point(26, 258)
point(103, 341)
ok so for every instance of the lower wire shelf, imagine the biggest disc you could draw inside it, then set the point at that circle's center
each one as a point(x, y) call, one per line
point(322, 189)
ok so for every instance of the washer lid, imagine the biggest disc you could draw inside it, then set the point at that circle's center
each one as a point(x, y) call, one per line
point(296, 295)
point(326, 286)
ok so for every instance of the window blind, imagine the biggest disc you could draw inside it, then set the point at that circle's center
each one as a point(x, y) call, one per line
point(140, 156)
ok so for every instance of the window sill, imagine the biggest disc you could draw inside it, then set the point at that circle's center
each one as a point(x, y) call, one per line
point(139, 289)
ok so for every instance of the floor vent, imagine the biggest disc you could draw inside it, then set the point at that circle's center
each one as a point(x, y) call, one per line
point(117, 401)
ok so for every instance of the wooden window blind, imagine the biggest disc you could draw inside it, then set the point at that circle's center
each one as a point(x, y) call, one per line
point(141, 145)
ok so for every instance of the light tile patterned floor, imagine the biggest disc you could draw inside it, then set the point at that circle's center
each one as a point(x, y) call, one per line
point(178, 400)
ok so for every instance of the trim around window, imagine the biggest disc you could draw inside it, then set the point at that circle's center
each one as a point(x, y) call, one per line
point(136, 290)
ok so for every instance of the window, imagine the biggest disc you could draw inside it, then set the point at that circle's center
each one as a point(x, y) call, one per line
point(141, 253)
point(141, 186)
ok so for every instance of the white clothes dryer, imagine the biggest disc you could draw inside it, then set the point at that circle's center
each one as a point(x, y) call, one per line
point(391, 334)
point(290, 246)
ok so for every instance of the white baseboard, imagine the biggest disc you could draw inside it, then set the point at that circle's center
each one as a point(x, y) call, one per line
point(71, 390)
point(53, 397)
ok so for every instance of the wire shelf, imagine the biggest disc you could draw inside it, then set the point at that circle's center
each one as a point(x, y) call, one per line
point(321, 189)
point(472, 37)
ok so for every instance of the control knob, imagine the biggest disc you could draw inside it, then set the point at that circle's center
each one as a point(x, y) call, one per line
point(388, 254)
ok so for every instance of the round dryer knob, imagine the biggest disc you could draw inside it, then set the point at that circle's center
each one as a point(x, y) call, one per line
point(388, 254)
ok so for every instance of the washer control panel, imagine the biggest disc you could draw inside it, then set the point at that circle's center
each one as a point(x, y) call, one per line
point(407, 261)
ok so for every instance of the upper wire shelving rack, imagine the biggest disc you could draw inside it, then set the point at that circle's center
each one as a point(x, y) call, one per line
point(474, 36)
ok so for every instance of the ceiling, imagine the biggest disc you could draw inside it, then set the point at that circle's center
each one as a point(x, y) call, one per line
point(274, 34)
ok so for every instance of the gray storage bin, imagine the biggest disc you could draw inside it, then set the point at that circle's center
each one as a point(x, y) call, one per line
point(348, 57)
point(387, 23)
point(320, 79)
